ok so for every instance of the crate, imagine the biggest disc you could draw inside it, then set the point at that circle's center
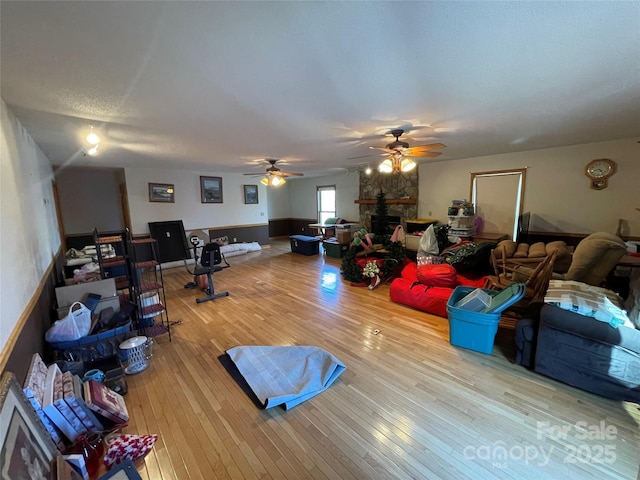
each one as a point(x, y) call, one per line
point(335, 249)
point(305, 245)
point(476, 330)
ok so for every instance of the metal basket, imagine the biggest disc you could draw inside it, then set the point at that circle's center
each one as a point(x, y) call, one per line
point(138, 352)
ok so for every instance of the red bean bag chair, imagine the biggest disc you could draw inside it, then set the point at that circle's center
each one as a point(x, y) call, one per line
point(417, 295)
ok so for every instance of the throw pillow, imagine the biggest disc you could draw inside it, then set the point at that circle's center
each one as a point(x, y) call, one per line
point(537, 250)
point(522, 251)
point(559, 246)
point(509, 247)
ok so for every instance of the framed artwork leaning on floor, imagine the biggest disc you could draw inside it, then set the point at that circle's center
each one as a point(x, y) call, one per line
point(25, 445)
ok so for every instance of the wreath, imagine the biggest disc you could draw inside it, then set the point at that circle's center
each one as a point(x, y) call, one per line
point(354, 273)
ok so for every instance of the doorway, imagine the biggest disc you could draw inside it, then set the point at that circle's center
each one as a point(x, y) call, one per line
point(498, 198)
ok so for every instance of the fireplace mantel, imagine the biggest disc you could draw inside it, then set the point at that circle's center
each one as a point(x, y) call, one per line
point(388, 201)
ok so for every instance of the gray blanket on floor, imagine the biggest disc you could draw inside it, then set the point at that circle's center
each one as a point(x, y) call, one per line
point(286, 376)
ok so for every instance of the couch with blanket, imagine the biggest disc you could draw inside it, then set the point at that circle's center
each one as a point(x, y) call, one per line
point(581, 335)
point(428, 287)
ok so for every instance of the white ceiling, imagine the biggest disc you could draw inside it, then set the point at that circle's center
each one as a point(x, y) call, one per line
point(215, 86)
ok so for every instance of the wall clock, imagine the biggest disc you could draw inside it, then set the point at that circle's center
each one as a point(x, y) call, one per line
point(598, 171)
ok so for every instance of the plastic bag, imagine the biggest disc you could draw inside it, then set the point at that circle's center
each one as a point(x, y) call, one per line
point(75, 325)
point(428, 243)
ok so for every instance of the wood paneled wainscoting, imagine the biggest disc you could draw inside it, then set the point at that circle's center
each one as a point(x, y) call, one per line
point(28, 335)
point(409, 405)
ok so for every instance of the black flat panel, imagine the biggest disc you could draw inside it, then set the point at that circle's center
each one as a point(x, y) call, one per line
point(172, 240)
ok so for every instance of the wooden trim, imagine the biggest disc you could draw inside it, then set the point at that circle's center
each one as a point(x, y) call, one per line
point(17, 329)
point(227, 227)
point(390, 201)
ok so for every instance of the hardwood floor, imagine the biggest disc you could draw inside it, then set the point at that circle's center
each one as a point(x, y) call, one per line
point(409, 405)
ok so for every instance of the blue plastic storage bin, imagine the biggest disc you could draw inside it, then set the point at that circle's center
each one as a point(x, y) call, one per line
point(305, 245)
point(477, 330)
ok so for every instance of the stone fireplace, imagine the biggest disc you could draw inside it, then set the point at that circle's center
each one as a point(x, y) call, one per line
point(401, 196)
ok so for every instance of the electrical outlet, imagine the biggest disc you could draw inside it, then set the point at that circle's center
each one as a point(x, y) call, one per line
point(235, 239)
point(302, 229)
point(430, 213)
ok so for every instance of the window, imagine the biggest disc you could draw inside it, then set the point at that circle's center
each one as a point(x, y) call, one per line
point(326, 202)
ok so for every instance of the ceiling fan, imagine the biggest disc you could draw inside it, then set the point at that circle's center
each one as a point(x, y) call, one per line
point(273, 176)
point(398, 147)
point(398, 151)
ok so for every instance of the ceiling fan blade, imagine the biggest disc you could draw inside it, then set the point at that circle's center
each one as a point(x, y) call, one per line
point(290, 174)
point(431, 146)
point(426, 154)
point(363, 156)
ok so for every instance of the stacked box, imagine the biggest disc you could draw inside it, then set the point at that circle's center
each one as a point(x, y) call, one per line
point(344, 236)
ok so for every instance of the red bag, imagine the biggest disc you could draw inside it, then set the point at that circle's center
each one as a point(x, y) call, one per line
point(438, 275)
point(427, 299)
point(410, 272)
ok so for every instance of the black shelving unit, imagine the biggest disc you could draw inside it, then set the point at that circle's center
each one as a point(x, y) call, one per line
point(111, 255)
point(147, 287)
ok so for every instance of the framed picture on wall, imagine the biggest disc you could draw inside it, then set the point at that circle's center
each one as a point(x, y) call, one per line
point(211, 189)
point(250, 194)
point(26, 449)
point(161, 192)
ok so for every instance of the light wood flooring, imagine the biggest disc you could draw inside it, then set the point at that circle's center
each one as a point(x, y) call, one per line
point(409, 405)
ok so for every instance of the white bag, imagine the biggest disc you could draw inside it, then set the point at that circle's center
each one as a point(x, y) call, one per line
point(428, 243)
point(75, 325)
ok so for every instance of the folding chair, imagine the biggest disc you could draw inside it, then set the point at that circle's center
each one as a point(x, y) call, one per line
point(209, 263)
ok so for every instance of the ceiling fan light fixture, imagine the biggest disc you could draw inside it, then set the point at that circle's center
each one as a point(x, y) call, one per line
point(367, 170)
point(386, 166)
point(92, 138)
point(273, 181)
point(407, 165)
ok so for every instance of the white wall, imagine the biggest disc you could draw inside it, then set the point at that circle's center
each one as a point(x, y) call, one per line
point(187, 207)
point(304, 202)
point(29, 237)
point(557, 191)
point(99, 205)
point(279, 202)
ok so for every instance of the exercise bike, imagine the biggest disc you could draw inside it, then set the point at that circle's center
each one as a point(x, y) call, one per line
point(210, 260)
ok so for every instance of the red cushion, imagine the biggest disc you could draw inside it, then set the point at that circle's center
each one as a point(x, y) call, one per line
point(428, 299)
point(438, 275)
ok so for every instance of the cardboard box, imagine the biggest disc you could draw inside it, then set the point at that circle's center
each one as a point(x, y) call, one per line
point(344, 236)
point(65, 296)
point(412, 242)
